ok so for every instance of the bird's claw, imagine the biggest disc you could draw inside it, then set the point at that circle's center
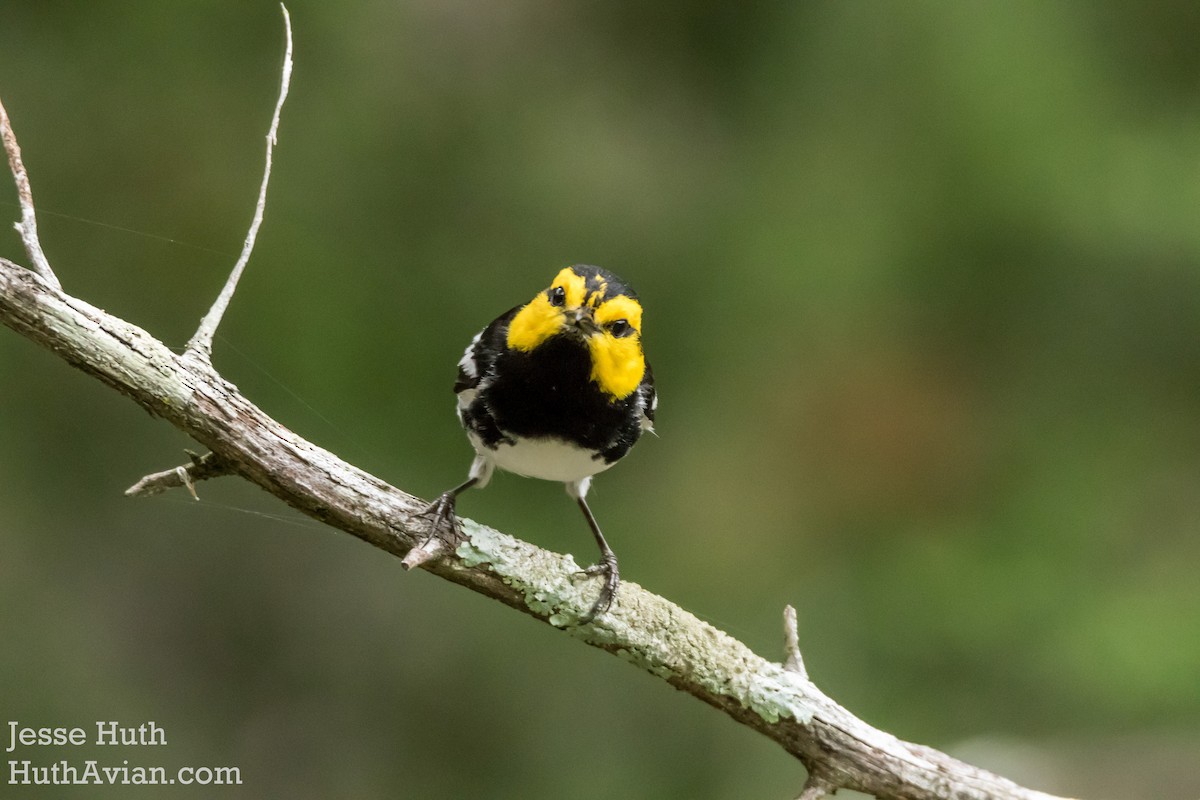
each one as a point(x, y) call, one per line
point(612, 578)
point(443, 522)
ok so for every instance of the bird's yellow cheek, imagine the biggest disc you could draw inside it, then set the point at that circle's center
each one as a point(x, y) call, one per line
point(534, 324)
point(617, 364)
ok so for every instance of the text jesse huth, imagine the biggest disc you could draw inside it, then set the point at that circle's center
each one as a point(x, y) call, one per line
point(108, 733)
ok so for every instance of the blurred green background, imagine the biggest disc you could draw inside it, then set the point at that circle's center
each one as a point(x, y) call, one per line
point(923, 291)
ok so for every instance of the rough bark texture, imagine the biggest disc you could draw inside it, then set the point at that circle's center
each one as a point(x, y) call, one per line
point(839, 749)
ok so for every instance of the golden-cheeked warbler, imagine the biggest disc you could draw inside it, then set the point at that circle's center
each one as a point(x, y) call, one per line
point(557, 389)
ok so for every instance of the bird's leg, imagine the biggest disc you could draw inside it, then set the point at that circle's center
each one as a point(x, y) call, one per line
point(607, 566)
point(444, 530)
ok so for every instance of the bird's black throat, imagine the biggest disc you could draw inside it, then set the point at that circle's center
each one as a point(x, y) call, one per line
point(549, 392)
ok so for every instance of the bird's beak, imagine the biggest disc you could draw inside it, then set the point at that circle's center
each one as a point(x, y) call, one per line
point(582, 321)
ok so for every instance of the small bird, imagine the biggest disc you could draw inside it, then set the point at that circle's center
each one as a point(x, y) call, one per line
point(557, 389)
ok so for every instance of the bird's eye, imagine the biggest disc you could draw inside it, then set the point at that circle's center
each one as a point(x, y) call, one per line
point(620, 327)
point(558, 296)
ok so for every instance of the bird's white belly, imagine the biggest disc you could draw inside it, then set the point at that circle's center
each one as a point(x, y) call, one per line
point(546, 458)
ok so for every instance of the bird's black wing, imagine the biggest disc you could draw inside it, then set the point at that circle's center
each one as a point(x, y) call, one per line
point(649, 398)
point(481, 354)
point(642, 403)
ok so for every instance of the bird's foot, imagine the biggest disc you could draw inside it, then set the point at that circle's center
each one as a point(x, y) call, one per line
point(442, 519)
point(607, 567)
point(444, 531)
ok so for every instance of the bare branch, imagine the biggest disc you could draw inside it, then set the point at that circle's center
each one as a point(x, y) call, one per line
point(200, 344)
point(201, 468)
point(27, 227)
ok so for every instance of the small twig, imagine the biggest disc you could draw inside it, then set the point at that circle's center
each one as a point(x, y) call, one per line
point(27, 227)
point(201, 468)
point(424, 552)
point(791, 643)
point(201, 343)
point(816, 787)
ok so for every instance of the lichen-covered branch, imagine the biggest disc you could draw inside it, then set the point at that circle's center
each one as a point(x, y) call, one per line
point(642, 628)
